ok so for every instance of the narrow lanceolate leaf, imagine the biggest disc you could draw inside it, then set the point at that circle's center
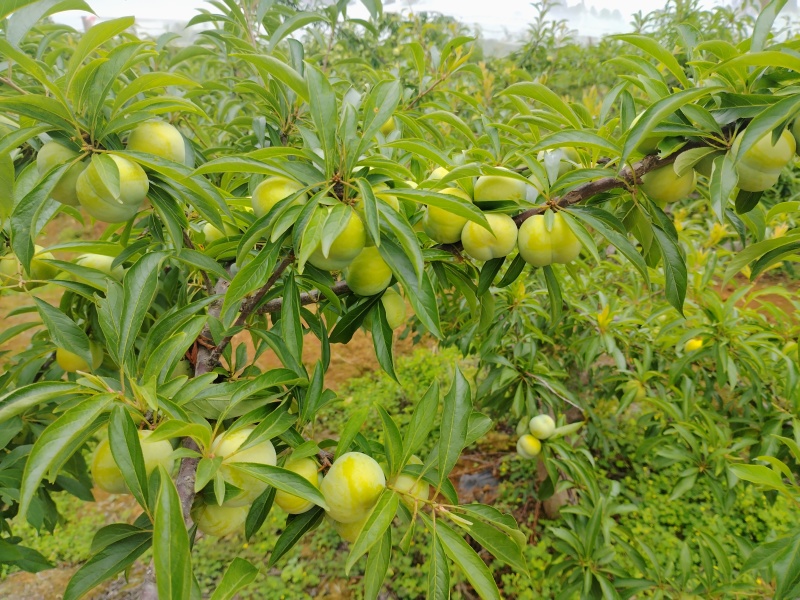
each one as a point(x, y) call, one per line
point(438, 572)
point(21, 399)
point(296, 527)
point(422, 421)
point(474, 569)
point(251, 276)
point(258, 512)
point(139, 286)
point(455, 418)
point(238, 574)
point(171, 549)
point(723, 181)
point(657, 51)
point(65, 333)
point(280, 71)
point(282, 479)
point(324, 111)
point(291, 327)
point(377, 566)
point(373, 531)
point(111, 559)
point(392, 442)
point(351, 429)
point(499, 544)
point(382, 340)
point(58, 442)
point(123, 439)
point(674, 269)
point(766, 122)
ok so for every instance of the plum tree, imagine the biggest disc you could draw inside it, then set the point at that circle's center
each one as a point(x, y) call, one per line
point(352, 486)
point(308, 470)
point(540, 246)
point(664, 185)
point(101, 203)
point(528, 446)
point(14, 277)
point(227, 446)
point(368, 274)
point(482, 244)
point(347, 245)
point(443, 226)
point(220, 520)
point(158, 138)
point(53, 154)
point(271, 191)
point(71, 362)
point(761, 164)
point(107, 475)
point(542, 426)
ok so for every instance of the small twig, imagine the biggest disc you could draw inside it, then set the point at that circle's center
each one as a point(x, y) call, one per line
point(13, 86)
point(339, 288)
point(430, 88)
point(206, 280)
point(45, 365)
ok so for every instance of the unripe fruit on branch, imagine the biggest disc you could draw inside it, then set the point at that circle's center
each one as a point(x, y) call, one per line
point(309, 470)
point(693, 344)
point(438, 173)
point(212, 234)
point(482, 244)
point(106, 474)
point(412, 488)
point(352, 486)
point(11, 271)
point(52, 154)
point(271, 191)
point(395, 308)
point(528, 446)
point(542, 426)
point(540, 247)
point(664, 185)
point(443, 226)
point(100, 203)
point(388, 127)
point(368, 274)
point(227, 447)
point(494, 188)
point(102, 263)
point(638, 388)
point(158, 138)
point(348, 244)
point(760, 167)
point(71, 362)
point(218, 521)
point(349, 532)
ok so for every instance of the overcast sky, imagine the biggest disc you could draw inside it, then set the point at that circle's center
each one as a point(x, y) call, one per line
point(494, 15)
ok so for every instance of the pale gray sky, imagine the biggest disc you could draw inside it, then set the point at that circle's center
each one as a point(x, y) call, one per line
point(495, 16)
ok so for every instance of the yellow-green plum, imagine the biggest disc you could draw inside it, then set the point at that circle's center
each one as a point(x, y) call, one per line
point(540, 247)
point(349, 532)
point(101, 263)
point(71, 362)
point(368, 274)
point(637, 388)
point(212, 234)
point(158, 138)
point(693, 344)
point(494, 188)
point(482, 244)
point(271, 191)
point(706, 164)
point(53, 154)
point(796, 135)
point(438, 173)
point(443, 226)
point(13, 276)
point(388, 127)
point(219, 521)
point(542, 426)
point(528, 446)
point(106, 474)
point(227, 446)
point(761, 165)
point(664, 185)
point(395, 307)
point(412, 489)
point(347, 245)
point(352, 486)
point(308, 470)
point(100, 203)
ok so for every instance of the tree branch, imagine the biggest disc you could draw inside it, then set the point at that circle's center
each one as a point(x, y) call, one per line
point(339, 288)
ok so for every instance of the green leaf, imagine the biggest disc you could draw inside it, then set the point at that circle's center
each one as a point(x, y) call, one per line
point(542, 94)
point(452, 204)
point(112, 558)
point(296, 527)
point(722, 183)
point(377, 566)
point(351, 430)
point(500, 545)
point(760, 475)
point(58, 442)
point(123, 439)
point(139, 285)
point(291, 327)
point(172, 553)
point(324, 112)
point(258, 512)
point(280, 71)
point(19, 400)
point(453, 430)
point(239, 574)
point(392, 442)
point(438, 572)
point(95, 37)
point(650, 46)
point(378, 522)
point(421, 423)
point(283, 480)
point(766, 18)
point(65, 333)
point(675, 273)
point(382, 340)
point(251, 277)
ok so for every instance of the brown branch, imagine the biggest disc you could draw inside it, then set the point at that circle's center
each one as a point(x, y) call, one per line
point(430, 88)
point(13, 86)
point(339, 288)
